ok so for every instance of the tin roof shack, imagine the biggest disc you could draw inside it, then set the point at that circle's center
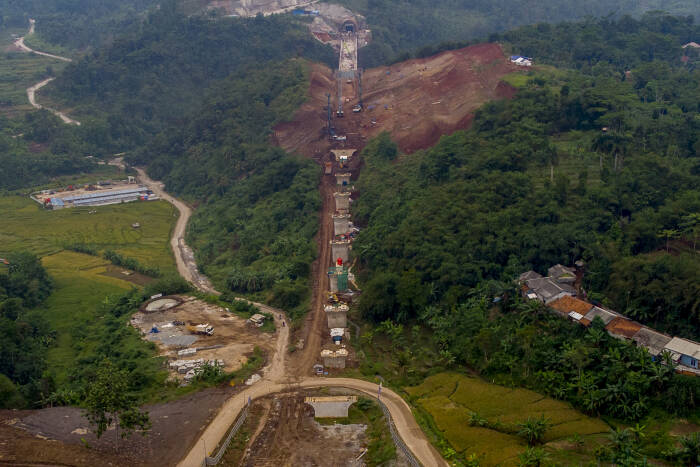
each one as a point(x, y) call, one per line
point(605, 315)
point(572, 308)
point(684, 352)
point(526, 276)
point(547, 290)
point(651, 340)
point(257, 320)
point(623, 328)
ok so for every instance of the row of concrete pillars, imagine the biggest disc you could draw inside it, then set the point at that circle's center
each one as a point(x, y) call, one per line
point(336, 313)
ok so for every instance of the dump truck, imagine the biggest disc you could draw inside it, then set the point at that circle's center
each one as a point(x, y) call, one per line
point(201, 329)
point(329, 168)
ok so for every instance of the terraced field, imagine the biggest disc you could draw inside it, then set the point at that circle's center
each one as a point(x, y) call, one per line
point(451, 399)
point(82, 282)
point(27, 226)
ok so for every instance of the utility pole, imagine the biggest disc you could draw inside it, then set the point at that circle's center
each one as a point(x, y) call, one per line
point(328, 108)
point(359, 86)
point(339, 113)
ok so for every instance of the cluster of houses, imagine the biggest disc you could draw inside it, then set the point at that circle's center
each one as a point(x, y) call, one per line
point(557, 290)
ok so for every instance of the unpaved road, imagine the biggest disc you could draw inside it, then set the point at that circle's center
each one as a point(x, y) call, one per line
point(316, 324)
point(184, 256)
point(31, 90)
point(187, 268)
point(19, 42)
point(275, 378)
point(406, 425)
point(31, 95)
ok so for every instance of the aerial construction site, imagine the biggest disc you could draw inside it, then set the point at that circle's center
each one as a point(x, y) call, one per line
point(416, 102)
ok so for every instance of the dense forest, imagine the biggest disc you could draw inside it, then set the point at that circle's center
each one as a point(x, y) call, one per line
point(254, 227)
point(76, 24)
point(155, 78)
point(401, 25)
point(600, 166)
point(38, 147)
point(24, 335)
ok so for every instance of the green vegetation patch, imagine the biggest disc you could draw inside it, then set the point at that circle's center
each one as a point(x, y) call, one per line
point(19, 70)
point(28, 226)
point(80, 287)
point(452, 399)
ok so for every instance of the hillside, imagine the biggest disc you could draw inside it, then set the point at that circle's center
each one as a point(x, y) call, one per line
point(80, 24)
point(415, 101)
point(400, 26)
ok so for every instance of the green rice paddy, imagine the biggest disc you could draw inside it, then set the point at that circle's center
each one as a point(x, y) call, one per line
point(450, 399)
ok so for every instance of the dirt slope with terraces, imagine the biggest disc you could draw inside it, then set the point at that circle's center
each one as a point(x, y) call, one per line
point(417, 101)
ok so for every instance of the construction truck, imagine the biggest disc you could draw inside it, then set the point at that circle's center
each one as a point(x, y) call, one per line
point(329, 168)
point(204, 329)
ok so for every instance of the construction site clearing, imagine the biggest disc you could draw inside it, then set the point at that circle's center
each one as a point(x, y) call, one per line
point(94, 194)
point(416, 101)
point(284, 431)
point(192, 333)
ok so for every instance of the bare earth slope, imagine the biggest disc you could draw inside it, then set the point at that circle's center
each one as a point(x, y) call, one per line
point(417, 101)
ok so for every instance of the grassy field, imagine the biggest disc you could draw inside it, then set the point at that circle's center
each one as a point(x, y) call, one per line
point(27, 226)
point(450, 399)
point(18, 71)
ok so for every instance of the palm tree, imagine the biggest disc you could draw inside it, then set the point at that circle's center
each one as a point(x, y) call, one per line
point(689, 452)
point(691, 225)
point(668, 234)
point(534, 429)
point(533, 457)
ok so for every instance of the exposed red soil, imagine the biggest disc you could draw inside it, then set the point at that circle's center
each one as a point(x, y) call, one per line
point(54, 435)
point(417, 101)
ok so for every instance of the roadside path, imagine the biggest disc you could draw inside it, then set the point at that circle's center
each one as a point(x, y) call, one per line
point(405, 424)
point(31, 95)
point(31, 90)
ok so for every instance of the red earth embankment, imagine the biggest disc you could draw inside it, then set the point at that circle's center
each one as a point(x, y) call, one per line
point(417, 101)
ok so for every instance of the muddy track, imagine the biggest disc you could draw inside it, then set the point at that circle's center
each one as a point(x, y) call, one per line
point(315, 322)
point(31, 90)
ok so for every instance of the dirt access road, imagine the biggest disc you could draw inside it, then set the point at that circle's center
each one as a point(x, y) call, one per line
point(184, 256)
point(31, 90)
point(405, 424)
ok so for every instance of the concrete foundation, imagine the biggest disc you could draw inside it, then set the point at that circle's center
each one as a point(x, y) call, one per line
point(333, 359)
point(343, 179)
point(340, 249)
point(343, 154)
point(331, 407)
point(342, 202)
point(341, 224)
point(337, 315)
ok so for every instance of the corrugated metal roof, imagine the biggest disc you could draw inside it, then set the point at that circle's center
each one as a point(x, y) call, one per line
point(605, 315)
point(104, 199)
point(102, 194)
point(652, 340)
point(685, 347)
